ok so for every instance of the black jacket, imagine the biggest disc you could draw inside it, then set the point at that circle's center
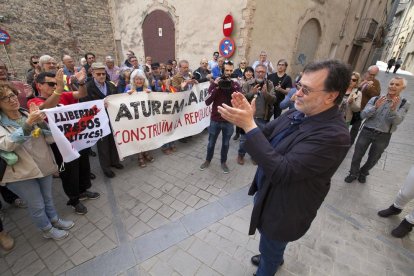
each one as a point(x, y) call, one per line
point(297, 172)
point(95, 94)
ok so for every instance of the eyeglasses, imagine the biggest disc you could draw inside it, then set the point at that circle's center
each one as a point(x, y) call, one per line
point(35, 62)
point(306, 91)
point(100, 74)
point(281, 64)
point(354, 80)
point(260, 72)
point(8, 98)
point(50, 83)
point(243, 62)
point(204, 63)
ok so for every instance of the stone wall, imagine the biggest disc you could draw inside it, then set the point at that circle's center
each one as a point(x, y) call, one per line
point(55, 27)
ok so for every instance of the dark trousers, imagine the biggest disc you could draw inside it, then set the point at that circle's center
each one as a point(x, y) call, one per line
point(271, 255)
point(378, 141)
point(76, 175)
point(1, 226)
point(227, 130)
point(8, 195)
point(108, 155)
point(396, 67)
point(356, 124)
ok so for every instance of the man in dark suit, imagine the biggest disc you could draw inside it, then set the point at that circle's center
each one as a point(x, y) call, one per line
point(98, 88)
point(299, 153)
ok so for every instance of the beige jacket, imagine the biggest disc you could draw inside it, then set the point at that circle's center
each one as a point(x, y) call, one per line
point(35, 155)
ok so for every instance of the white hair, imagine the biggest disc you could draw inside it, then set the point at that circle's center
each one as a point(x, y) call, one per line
point(140, 74)
point(45, 59)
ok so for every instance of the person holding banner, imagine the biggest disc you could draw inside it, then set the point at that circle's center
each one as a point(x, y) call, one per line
point(97, 89)
point(139, 83)
point(28, 163)
point(75, 175)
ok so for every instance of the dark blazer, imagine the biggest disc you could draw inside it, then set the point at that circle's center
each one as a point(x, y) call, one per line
point(95, 94)
point(297, 172)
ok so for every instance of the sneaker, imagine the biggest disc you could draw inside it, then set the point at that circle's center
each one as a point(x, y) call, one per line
point(6, 241)
point(54, 233)
point(362, 178)
point(89, 195)
point(63, 224)
point(225, 168)
point(19, 203)
point(205, 165)
point(240, 159)
point(80, 209)
point(390, 211)
point(403, 229)
point(350, 178)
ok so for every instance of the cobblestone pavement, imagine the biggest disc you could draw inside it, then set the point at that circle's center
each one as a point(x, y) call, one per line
point(173, 219)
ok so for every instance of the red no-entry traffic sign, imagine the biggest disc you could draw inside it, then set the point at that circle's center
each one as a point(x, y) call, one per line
point(228, 25)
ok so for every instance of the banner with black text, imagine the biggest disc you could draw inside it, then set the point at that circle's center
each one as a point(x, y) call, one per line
point(145, 121)
point(77, 126)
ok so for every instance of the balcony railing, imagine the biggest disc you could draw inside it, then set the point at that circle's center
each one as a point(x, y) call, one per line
point(366, 30)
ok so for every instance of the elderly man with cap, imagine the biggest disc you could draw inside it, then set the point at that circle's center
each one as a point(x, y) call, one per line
point(98, 88)
point(112, 70)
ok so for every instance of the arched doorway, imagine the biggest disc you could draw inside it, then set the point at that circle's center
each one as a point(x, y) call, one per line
point(158, 32)
point(307, 45)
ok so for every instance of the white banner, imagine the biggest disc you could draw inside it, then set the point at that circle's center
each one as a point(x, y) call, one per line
point(77, 126)
point(145, 121)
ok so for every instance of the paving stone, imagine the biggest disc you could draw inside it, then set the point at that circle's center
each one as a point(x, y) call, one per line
point(154, 204)
point(178, 205)
point(319, 261)
point(204, 252)
point(166, 211)
point(57, 259)
point(184, 263)
point(206, 271)
point(139, 229)
point(103, 223)
point(85, 230)
point(155, 193)
point(46, 249)
point(192, 200)
point(25, 260)
point(157, 220)
point(63, 268)
point(92, 238)
point(225, 265)
point(101, 246)
point(147, 215)
point(167, 199)
point(203, 194)
point(160, 268)
point(81, 256)
point(138, 209)
point(33, 269)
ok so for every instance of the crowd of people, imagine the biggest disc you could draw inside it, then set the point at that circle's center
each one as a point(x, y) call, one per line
point(31, 159)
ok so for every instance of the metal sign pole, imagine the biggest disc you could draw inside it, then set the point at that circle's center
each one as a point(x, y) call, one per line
point(8, 59)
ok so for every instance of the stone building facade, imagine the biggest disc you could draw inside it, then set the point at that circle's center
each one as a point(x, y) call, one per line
point(299, 31)
point(400, 39)
point(38, 27)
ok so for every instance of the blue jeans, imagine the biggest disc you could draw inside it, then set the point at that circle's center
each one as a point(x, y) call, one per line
point(168, 145)
point(378, 141)
point(271, 255)
point(214, 131)
point(38, 194)
point(261, 123)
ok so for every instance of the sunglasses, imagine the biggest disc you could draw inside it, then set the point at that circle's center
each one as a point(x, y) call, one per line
point(35, 62)
point(243, 62)
point(354, 80)
point(306, 91)
point(100, 74)
point(50, 83)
